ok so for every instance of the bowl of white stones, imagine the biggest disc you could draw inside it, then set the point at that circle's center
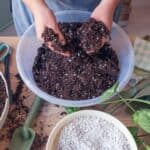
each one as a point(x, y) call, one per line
point(90, 130)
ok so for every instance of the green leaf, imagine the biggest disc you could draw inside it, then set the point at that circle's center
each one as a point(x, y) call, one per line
point(133, 91)
point(139, 141)
point(147, 147)
point(126, 94)
point(108, 93)
point(70, 110)
point(134, 132)
point(142, 119)
point(147, 102)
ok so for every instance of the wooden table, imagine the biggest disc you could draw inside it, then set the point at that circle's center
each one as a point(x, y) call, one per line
point(50, 114)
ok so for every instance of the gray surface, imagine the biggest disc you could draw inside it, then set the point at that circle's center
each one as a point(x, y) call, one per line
point(5, 14)
point(9, 31)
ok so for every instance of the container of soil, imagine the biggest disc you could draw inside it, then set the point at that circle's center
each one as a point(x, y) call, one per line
point(90, 129)
point(29, 48)
point(4, 100)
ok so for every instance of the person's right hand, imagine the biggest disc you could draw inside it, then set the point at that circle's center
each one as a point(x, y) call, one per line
point(44, 17)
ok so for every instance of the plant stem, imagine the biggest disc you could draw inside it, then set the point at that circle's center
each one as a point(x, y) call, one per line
point(126, 103)
point(131, 100)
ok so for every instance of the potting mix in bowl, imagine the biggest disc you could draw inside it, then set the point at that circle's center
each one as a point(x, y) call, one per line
point(91, 67)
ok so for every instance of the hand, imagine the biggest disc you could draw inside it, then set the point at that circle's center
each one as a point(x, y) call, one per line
point(105, 11)
point(44, 17)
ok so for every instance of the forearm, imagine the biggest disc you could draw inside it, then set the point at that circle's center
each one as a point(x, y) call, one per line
point(108, 6)
point(34, 5)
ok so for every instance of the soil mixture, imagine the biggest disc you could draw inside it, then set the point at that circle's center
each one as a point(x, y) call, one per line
point(3, 95)
point(89, 36)
point(17, 115)
point(80, 76)
point(69, 30)
point(92, 35)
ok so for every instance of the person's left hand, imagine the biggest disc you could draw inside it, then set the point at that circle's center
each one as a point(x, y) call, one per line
point(105, 11)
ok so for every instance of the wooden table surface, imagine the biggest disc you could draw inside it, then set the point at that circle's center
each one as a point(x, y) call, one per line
point(50, 114)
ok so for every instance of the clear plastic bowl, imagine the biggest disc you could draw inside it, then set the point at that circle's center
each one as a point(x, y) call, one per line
point(27, 51)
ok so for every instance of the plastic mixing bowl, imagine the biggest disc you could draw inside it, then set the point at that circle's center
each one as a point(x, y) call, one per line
point(27, 51)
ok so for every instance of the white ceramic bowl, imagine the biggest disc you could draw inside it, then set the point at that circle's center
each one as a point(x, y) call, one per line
point(6, 106)
point(27, 51)
point(56, 130)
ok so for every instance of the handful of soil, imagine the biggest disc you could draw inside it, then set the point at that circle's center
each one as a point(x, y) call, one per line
point(80, 76)
point(3, 95)
point(90, 36)
point(93, 35)
point(69, 30)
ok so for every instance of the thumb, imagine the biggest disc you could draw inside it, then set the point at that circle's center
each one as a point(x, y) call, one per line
point(61, 37)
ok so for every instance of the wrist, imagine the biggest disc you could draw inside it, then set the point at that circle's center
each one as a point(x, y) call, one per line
point(104, 12)
point(34, 5)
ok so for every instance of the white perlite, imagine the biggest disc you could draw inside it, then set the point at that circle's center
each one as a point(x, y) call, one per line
point(91, 133)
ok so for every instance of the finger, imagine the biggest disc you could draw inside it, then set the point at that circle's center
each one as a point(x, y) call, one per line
point(39, 36)
point(61, 37)
point(39, 31)
point(104, 40)
point(58, 32)
point(49, 44)
point(65, 53)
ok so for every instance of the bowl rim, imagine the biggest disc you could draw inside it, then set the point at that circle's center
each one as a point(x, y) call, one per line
point(4, 113)
point(57, 128)
point(64, 102)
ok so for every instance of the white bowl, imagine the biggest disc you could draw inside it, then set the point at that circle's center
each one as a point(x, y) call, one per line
point(27, 51)
point(6, 107)
point(57, 129)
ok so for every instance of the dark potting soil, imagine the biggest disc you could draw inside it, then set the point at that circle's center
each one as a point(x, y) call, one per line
point(17, 112)
point(88, 35)
point(3, 95)
point(69, 30)
point(92, 35)
point(17, 115)
point(80, 76)
point(39, 142)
